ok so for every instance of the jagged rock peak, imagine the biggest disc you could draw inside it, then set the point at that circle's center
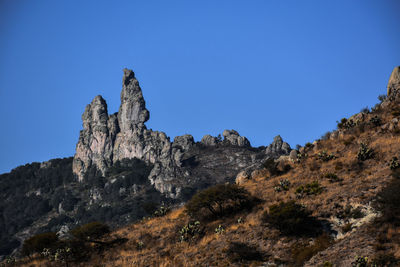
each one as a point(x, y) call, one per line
point(132, 112)
point(96, 139)
point(235, 139)
point(394, 82)
point(277, 148)
point(95, 114)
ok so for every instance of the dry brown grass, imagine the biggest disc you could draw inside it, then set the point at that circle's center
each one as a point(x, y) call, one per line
point(358, 185)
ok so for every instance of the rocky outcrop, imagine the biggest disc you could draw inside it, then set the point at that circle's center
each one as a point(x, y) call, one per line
point(209, 140)
point(95, 145)
point(106, 140)
point(277, 148)
point(394, 82)
point(234, 138)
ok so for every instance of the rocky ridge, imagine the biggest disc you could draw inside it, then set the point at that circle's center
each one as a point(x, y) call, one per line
point(107, 139)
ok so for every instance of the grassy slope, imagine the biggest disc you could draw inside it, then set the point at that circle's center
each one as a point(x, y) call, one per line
point(359, 185)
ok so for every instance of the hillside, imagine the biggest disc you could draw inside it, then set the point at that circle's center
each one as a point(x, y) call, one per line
point(120, 173)
point(348, 181)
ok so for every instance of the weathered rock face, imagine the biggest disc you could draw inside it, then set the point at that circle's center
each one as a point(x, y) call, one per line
point(235, 139)
point(95, 145)
point(394, 82)
point(277, 148)
point(106, 140)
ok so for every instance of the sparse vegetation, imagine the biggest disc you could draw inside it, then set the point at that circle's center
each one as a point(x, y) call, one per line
point(242, 252)
point(191, 231)
point(375, 121)
point(394, 163)
point(218, 201)
point(313, 188)
point(283, 185)
point(365, 152)
point(345, 124)
point(291, 219)
point(324, 156)
point(37, 243)
point(90, 232)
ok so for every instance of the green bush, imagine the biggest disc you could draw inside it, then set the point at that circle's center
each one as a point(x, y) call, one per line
point(324, 156)
point(313, 188)
point(365, 152)
point(218, 201)
point(394, 163)
point(37, 243)
point(283, 185)
point(291, 218)
point(90, 232)
point(191, 231)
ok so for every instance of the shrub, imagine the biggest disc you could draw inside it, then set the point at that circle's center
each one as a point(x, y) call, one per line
point(37, 243)
point(365, 152)
point(382, 98)
point(90, 232)
point(291, 218)
point(191, 231)
point(324, 156)
point(313, 188)
point(394, 163)
point(218, 201)
point(360, 262)
point(241, 252)
point(219, 230)
point(345, 124)
point(365, 110)
point(387, 202)
point(161, 211)
point(282, 186)
point(375, 121)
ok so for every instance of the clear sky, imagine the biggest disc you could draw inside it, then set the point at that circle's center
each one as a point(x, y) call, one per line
point(260, 67)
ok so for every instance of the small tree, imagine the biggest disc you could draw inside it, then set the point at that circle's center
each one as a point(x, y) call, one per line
point(291, 219)
point(218, 201)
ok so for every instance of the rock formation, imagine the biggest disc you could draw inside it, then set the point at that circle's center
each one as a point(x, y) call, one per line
point(106, 140)
point(394, 82)
point(277, 148)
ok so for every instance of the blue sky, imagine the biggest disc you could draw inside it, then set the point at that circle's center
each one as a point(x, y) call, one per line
point(261, 67)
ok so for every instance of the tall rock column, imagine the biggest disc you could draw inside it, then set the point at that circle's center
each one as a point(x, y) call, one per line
point(95, 145)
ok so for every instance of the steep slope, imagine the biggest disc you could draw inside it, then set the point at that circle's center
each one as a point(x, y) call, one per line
point(121, 172)
point(337, 178)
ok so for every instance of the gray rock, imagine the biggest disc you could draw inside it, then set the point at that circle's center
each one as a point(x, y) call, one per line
point(185, 141)
point(106, 139)
point(277, 148)
point(209, 140)
point(235, 139)
point(293, 155)
point(394, 82)
point(95, 145)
